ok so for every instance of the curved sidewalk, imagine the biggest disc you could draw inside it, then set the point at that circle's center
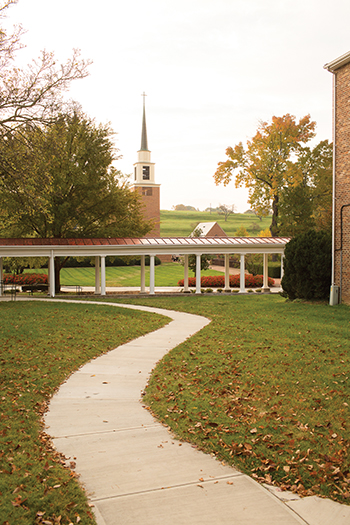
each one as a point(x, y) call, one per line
point(135, 472)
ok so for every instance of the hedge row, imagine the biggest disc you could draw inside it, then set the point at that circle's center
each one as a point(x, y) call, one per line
point(218, 281)
point(87, 262)
point(26, 278)
point(274, 270)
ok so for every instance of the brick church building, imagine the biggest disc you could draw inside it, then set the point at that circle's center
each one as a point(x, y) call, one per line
point(340, 290)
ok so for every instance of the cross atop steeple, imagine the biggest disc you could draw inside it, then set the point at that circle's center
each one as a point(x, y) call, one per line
point(144, 143)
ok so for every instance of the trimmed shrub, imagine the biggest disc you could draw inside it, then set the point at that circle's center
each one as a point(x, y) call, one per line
point(307, 266)
point(26, 278)
point(137, 262)
point(274, 270)
point(218, 281)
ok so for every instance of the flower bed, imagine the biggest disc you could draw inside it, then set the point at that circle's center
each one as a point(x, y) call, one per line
point(26, 278)
point(218, 281)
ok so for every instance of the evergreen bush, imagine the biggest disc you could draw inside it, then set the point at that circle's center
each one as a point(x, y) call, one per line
point(307, 266)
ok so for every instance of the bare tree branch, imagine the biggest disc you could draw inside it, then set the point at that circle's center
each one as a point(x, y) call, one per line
point(34, 94)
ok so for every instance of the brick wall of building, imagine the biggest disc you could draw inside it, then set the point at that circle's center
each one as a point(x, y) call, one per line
point(342, 180)
point(150, 196)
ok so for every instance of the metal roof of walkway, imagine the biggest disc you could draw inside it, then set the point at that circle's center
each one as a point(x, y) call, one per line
point(27, 247)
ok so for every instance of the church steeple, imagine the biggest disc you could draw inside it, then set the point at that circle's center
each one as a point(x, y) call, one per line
point(144, 168)
point(144, 180)
point(144, 143)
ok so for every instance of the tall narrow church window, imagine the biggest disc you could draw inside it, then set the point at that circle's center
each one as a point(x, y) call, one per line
point(135, 172)
point(145, 172)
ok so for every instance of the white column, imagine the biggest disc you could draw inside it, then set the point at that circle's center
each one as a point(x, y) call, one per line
point(97, 275)
point(266, 273)
point(52, 274)
point(186, 274)
point(143, 274)
point(48, 276)
point(227, 272)
point(242, 274)
point(282, 263)
point(151, 275)
point(103, 275)
point(198, 273)
point(1, 274)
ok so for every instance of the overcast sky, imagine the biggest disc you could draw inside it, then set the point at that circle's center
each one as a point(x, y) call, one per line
point(211, 69)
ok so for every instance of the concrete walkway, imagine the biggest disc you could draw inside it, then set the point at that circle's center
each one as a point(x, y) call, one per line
point(135, 472)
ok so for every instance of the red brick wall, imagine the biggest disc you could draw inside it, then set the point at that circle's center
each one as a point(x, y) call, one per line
point(342, 178)
point(151, 201)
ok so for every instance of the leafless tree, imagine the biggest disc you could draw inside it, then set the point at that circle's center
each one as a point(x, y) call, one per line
point(34, 94)
point(226, 210)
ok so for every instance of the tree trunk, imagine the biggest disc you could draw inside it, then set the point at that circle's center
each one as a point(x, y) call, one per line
point(274, 222)
point(59, 264)
point(57, 275)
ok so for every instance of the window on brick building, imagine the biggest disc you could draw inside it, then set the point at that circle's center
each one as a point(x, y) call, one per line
point(147, 192)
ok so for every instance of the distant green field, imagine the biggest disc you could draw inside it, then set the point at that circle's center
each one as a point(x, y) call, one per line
point(182, 223)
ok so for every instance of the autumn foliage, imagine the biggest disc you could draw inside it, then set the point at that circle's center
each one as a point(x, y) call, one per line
point(265, 166)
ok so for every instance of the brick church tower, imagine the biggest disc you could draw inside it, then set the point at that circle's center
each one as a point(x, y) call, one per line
point(144, 181)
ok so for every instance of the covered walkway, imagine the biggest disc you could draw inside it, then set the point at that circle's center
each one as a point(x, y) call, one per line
point(179, 246)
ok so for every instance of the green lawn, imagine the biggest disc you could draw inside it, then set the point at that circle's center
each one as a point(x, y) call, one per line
point(41, 343)
point(182, 223)
point(265, 387)
point(166, 274)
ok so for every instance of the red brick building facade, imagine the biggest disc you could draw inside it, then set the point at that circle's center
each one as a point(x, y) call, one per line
point(151, 200)
point(341, 178)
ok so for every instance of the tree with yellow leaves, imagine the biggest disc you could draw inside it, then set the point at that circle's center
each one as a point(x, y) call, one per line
point(266, 165)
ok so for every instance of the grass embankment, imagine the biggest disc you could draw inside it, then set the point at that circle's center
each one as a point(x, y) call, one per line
point(182, 223)
point(265, 386)
point(166, 274)
point(41, 343)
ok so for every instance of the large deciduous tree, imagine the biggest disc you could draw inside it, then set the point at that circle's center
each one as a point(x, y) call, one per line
point(308, 203)
point(59, 181)
point(32, 94)
point(264, 165)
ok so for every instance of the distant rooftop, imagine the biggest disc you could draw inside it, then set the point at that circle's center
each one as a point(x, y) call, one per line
point(209, 229)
